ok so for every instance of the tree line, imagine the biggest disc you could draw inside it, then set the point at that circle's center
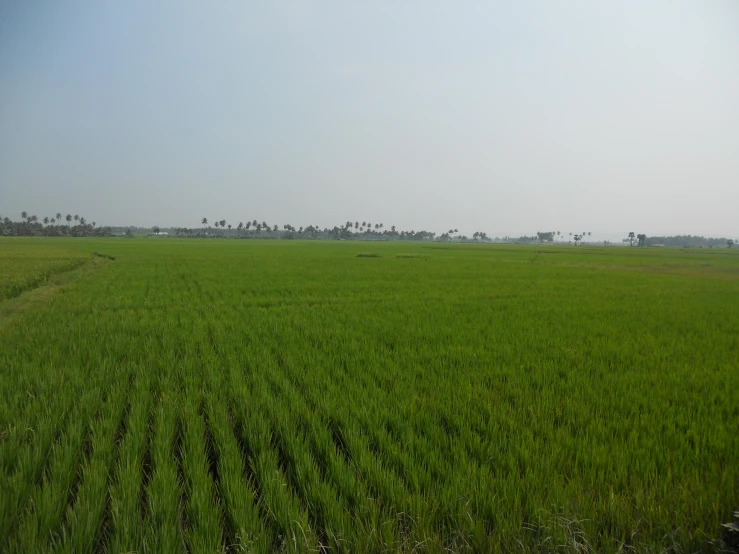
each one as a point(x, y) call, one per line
point(54, 226)
point(350, 230)
point(353, 230)
point(686, 241)
point(76, 226)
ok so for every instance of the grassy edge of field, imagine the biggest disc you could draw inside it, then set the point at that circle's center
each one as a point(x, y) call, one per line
point(38, 295)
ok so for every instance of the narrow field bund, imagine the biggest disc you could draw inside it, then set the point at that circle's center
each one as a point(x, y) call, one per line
point(223, 396)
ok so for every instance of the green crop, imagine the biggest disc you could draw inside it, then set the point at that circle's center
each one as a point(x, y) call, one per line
point(257, 396)
point(29, 263)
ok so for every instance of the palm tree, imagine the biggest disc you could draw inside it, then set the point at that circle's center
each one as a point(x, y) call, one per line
point(53, 221)
point(93, 224)
point(69, 219)
point(24, 215)
point(205, 221)
point(46, 221)
point(76, 218)
point(631, 238)
point(58, 216)
point(82, 221)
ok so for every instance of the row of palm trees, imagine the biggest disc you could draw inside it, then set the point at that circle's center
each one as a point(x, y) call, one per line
point(53, 220)
point(51, 226)
point(263, 226)
point(364, 228)
point(349, 229)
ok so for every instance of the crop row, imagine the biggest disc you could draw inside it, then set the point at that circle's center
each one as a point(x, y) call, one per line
point(185, 402)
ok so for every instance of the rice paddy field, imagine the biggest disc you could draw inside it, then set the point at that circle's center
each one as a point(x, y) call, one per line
point(261, 396)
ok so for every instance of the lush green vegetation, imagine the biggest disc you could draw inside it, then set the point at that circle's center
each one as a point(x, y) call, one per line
point(25, 264)
point(247, 395)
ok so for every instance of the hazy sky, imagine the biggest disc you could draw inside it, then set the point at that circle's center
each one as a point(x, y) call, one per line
point(507, 117)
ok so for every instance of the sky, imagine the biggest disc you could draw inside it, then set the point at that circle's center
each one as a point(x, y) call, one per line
point(503, 117)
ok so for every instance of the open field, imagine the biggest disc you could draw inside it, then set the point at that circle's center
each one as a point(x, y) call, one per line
point(26, 264)
point(232, 395)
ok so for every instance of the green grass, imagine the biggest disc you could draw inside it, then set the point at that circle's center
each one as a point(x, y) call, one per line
point(26, 264)
point(276, 395)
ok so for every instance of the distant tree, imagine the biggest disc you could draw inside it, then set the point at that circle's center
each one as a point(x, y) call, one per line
point(641, 239)
point(69, 219)
point(223, 223)
point(93, 224)
point(58, 216)
point(76, 218)
point(53, 221)
point(729, 243)
point(155, 229)
point(631, 238)
point(545, 237)
point(205, 221)
point(82, 221)
point(46, 221)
